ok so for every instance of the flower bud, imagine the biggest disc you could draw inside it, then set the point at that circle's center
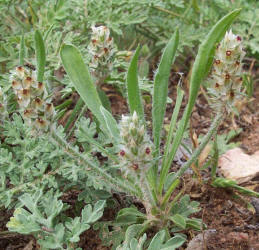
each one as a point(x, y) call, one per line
point(20, 71)
point(135, 117)
point(225, 84)
point(122, 153)
point(137, 145)
point(41, 123)
point(17, 85)
point(148, 150)
point(102, 51)
point(33, 106)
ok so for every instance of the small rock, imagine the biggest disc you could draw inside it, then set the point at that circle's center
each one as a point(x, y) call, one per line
point(197, 242)
point(237, 237)
point(254, 246)
point(238, 166)
point(255, 203)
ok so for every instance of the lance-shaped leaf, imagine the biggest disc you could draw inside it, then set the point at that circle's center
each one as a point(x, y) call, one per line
point(22, 50)
point(82, 81)
point(40, 55)
point(111, 123)
point(134, 96)
point(161, 87)
point(200, 69)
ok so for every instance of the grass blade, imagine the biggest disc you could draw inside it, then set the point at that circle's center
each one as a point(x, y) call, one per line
point(79, 105)
point(22, 50)
point(134, 96)
point(178, 103)
point(161, 87)
point(40, 55)
point(200, 69)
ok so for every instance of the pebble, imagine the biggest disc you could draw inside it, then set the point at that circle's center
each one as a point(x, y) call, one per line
point(197, 242)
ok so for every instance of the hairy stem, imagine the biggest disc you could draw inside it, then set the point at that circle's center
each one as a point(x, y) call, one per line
point(204, 142)
point(148, 200)
point(71, 151)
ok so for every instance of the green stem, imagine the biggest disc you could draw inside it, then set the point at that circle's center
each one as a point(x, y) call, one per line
point(83, 110)
point(147, 194)
point(167, 11)
point(169, 192)
point(80, 103)
point(109, 179)
point(101, 148)
point(22, 51)
point(204, 142)
point(179, 99)
point(215, 159)
point(64, 104)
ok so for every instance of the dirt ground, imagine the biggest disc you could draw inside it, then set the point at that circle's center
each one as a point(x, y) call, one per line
point(234, 226)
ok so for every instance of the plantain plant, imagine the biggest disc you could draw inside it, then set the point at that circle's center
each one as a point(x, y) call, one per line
point(132, 162)
point(142, 170)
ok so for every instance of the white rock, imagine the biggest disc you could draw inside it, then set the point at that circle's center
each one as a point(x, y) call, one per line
point(238, 166)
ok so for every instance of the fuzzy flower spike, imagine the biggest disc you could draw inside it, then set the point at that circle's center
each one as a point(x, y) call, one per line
point(226, 76)
point(34, 106)
point(102, 51)
point(136, 146)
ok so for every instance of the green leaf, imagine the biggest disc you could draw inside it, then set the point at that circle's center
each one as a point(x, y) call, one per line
point(132, 231)
point(79, 105)
point(22, 50)
point(174, 243)
point(134, 96)
point(111, 124)
point(179, 220)
point(81, 79)
point(161, 87)
point(129, 215)
point(40, 55)
point(199, 71)
point(157, 241)
point(104, 99)
point(91, 215)
point(173, 121)
point(194, 223)
point(131, 211)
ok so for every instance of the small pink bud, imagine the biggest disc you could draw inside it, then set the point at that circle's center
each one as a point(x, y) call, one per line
point(148, 150)
point(232, 94)
point(135, 166)
point(239, 38)
point(228, 53)
point(40, 85)
point(122, 153)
